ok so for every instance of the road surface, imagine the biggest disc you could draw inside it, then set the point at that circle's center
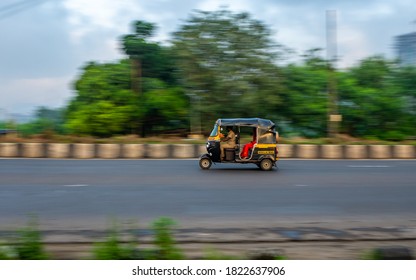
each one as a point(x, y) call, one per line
point(80, 194)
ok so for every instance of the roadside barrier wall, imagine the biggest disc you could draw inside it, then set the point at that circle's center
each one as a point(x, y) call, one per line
point(182, 151)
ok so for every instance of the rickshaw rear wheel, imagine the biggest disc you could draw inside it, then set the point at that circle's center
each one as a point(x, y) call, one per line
point(266, 164)
point(205, 163)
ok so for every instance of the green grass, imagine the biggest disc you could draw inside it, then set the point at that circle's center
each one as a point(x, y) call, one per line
point(29, 245)
point(164, 240)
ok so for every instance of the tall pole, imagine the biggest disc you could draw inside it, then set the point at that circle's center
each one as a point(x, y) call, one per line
point(136, 75)
point(195, 115)
point(331, 47)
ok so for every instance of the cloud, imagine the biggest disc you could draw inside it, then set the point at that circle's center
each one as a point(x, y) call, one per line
point(364, 28)
point(235, 5)
point(353, 46)
point(23, 95)
point(371, 12)
point(85, 17)
point(44, 47)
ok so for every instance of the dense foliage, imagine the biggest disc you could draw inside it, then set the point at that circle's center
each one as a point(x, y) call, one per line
point(224, 64)
point(47, 122)
point(227, 63)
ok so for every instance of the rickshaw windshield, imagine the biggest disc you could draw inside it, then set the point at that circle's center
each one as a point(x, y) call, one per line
point(214, 131)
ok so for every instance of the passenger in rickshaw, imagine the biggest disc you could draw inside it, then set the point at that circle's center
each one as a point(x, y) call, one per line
point(250, 145)
point(227, 142)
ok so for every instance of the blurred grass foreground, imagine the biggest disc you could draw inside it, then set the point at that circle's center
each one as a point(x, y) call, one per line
point(134, 244)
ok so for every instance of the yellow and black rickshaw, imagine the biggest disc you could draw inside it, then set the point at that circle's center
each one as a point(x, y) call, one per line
point(261, 150)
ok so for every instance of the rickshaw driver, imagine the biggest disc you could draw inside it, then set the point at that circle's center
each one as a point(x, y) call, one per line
point(228, 141)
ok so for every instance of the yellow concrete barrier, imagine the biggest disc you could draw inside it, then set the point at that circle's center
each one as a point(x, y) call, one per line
point(108, 151)
point(201, 149)
point(133, 151)
point(380, 151)
point(286, 150)
point(404, 151)
point(307, 151)
point(58, 150)
point(183, 151)
point(33, 150)
point(158, 151)
point(9, 150)
point(355, 151)
point(331, 151)
point(84, 150)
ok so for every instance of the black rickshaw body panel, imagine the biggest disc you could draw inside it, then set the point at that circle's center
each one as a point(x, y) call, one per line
point(261, 151)
point(214, 151)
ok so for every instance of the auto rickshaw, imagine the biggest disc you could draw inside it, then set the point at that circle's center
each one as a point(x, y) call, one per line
point(262, 149)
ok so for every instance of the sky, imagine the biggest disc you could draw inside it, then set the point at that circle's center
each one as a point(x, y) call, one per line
point(45, 43)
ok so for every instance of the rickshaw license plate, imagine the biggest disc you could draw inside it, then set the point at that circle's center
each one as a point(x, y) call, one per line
point(265, 152)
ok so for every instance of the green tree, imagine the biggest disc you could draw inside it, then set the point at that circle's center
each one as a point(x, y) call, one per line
point(166, 108)
point(107, 102)
point(104, 104)
point(47, 121)
point(372, 102)
point(154, 78)
point(404, 78)
point(227, 65)
point(372, 72)
point(148, 59)
point(305, 96)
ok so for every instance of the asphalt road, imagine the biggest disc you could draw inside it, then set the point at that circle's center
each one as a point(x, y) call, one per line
point(79, 194)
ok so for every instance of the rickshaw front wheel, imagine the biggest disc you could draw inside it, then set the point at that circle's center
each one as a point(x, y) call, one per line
point(205, 163)
point(266, 164)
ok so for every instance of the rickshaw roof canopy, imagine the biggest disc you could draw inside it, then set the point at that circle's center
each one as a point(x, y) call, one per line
point(253, 122)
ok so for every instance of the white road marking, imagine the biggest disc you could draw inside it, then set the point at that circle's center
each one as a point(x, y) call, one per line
point(369, 166)
point(76, 185)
